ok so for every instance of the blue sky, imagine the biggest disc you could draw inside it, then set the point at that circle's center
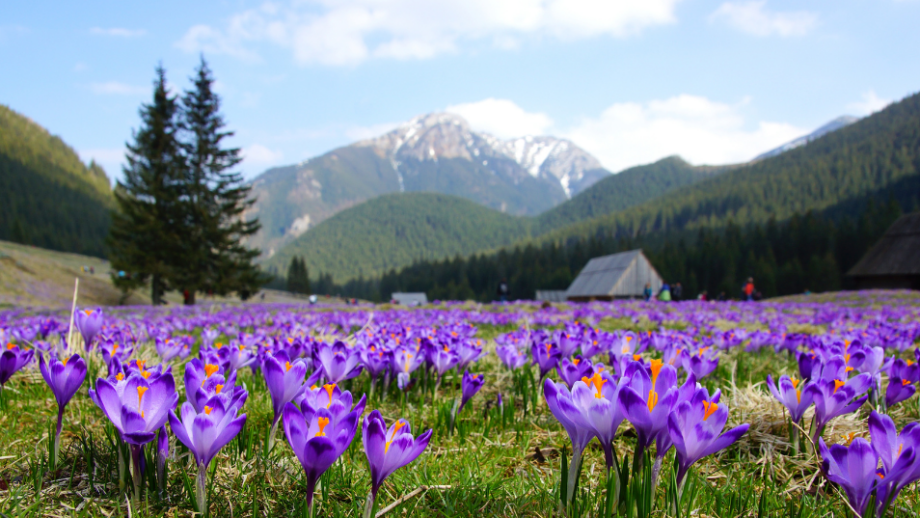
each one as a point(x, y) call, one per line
point(630, 81)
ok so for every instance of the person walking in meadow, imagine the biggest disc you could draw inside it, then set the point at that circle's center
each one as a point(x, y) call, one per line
point(678, 291)
point(647, 292)
point(748, 289)
point(503, 290)
point(665, 294)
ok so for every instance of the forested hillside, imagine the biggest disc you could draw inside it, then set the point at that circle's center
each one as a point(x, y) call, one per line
point(474, 227)
point(628, 188)
point(394, 230)
point(51, 199)
point(839, 168)
point(806, 252)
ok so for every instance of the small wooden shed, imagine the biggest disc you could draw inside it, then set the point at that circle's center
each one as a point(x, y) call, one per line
point(622, 275)
point(894, 262)
point(409, 299)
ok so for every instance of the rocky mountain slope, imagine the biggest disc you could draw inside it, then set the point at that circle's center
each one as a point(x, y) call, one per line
point(430, 153)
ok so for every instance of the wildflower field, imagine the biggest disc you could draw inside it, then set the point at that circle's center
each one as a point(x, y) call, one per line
point(791, 408)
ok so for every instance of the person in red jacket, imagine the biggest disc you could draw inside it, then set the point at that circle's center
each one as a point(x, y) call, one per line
point(748, 289)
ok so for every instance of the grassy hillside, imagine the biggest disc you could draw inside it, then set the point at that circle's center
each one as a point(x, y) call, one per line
point(394, 230)
point(843, 167)
point(631, 187)
point(51, 199)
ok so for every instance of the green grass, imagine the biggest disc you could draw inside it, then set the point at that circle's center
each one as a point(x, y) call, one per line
point(489, 465)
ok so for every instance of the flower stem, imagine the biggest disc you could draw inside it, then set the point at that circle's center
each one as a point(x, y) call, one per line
point(201, 489)
point(137, 453)
point(370, 506)
point(311, 488)
point(272, 432)
point(574, 472)
point(656, 470)
point(57, 435)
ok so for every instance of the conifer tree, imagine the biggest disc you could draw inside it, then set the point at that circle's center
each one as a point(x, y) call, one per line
point(216, 198)
point(145, 234)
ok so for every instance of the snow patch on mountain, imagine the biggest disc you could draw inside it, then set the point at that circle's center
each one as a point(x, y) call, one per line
point(445, 135)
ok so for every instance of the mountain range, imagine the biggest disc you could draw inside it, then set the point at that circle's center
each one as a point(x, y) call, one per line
point(834, 125)
point(431, 153)
point(838, 173)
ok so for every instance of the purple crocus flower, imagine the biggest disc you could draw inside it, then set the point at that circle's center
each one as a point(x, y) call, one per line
point(646, 401)
point(897, 452)
point(559, 401)
point(388, 449)
point(12, 359)
point(237, 357)
point(834, 398)
point(546, 355)
point(137, 407)
point(596, 399)
point(339, 362)
point(695, 427)
point(854, 468)
point(112, 350)
point(442, 359)
point(64, 379)
point(573, 370)
point(204, 381)
point(329, 396)
point(701, 364)
point(89, 322)
point(469, 386)
point(511, 356)
point(285, 381)
point(795, 399)
point(318, 439)
point(468, 352)
point(204, 434)
point(898, 390)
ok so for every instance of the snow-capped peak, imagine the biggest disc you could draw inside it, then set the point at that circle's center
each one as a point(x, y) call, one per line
point(445, 135)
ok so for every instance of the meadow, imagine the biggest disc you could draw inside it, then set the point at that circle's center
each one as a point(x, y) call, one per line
point(504, 441)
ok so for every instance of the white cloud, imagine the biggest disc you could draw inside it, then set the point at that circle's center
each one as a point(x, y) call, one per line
point(257, 155)
point(118, 32)
point(700, 130)
point(347, 32)
point(753, 18)
point(502, 118)
point(869, 104)
point(116, 88)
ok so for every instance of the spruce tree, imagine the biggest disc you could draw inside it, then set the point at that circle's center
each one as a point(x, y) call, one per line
point(216, 199)
point(145, 234)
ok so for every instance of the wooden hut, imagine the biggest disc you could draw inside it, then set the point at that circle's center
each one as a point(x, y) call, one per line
point(622, 275)
point(894, 262)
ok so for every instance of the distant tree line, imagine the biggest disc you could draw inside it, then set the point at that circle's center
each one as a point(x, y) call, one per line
point(298, 278)
point(180, 221)
point(810, 251)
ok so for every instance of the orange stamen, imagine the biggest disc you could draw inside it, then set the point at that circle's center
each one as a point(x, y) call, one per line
point(710, 409)
point(636, 357)
point(396, 427)
point(576, 361)
point(210, 369)
point(329, 388)
point(322, 422)
point(10, 346)
point(140, 397)
point(838, 384)
point(207, 410)
point(795, 382)
point(120, 376)
point(218, 388)
point(597, 381)
point(905, 382)
point(652, 399)
point(656, 369)
point(287, 366)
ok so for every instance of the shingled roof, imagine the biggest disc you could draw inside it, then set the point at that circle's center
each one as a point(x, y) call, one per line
point(896, 253)
point(613, 276)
